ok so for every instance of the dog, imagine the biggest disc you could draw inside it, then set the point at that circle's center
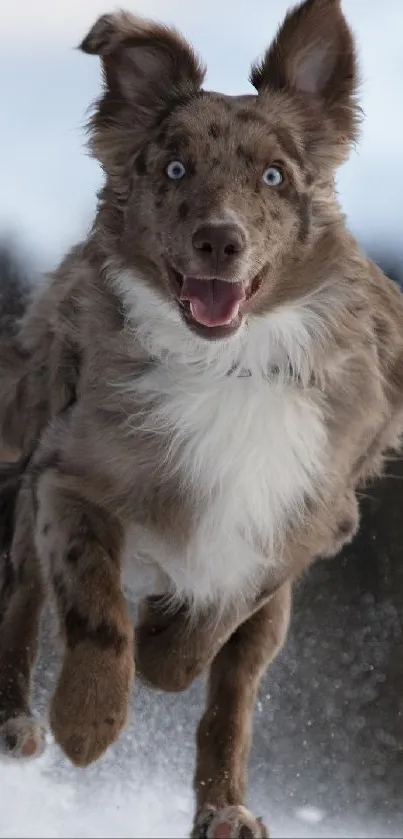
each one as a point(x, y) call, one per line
point(194, 395)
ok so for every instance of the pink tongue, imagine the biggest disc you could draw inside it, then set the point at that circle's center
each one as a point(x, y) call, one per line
point(212, 302)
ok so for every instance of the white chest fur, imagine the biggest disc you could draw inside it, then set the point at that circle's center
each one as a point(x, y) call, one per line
point(248, 450)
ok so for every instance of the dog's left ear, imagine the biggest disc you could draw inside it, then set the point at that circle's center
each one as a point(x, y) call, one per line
point(313, 54)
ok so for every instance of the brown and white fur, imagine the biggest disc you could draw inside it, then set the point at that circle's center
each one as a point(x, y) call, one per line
point(197, 392)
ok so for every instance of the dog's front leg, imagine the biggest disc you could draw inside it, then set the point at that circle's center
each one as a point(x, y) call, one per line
point(224, 733)
point(80, 546)
point(172, 649)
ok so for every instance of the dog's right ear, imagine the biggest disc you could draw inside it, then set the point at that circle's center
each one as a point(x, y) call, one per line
point(147, 68)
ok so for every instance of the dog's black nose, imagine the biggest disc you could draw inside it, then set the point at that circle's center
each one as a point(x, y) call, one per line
point(221, 241)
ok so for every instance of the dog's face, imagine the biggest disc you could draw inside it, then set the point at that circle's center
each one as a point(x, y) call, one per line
point(221, 191)
point(213, 195)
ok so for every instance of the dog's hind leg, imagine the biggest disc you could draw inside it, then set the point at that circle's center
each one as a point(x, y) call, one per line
point(22, 595)
point(224, 733)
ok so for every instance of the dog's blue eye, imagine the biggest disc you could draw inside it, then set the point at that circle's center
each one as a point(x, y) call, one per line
point(273, 176)
point(175, 170)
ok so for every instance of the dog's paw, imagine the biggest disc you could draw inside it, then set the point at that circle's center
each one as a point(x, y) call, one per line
point(164, 651)
point(92, 701)
point(170, 652)
point(22, 737)
point(234, 822)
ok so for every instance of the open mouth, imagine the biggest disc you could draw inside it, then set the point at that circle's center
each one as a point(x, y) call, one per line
point(212, 306)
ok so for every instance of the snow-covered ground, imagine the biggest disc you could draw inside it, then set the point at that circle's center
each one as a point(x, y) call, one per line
point(323, 765)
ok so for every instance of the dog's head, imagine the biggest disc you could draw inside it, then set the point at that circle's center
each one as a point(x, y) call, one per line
point(208, 196)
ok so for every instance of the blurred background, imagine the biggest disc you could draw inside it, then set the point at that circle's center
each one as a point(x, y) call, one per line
point(48, 183)
point(328, 757)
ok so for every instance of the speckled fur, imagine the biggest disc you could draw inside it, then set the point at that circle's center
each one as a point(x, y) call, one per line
point(208, 473)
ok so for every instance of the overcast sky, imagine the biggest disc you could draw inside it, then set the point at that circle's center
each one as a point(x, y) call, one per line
point(48, 183)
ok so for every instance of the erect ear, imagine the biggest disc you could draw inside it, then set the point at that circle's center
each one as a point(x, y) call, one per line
point(313, 53)
point(146, 66)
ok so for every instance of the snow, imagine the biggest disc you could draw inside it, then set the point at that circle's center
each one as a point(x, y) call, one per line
point(60, 807)
point(309, 815)
point(326, 754)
